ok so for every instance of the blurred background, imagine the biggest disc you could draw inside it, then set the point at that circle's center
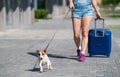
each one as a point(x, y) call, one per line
point(57, 8)
point(18, 13)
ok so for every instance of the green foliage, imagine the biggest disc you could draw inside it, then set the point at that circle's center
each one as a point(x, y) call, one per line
point(110, 13)
point(114, 26)
point(41, 13)
point(107, 2)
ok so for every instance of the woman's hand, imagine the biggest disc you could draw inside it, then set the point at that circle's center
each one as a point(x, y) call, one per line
point(71, 5)
point(98, 15)
point(94, 4)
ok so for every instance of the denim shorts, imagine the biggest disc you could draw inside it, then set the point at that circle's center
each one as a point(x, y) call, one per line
point(82, 9)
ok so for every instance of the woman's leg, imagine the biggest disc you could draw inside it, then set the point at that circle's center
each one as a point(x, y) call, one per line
point(76, 30)
point(86, 21)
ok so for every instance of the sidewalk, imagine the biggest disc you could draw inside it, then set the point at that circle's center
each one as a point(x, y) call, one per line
point(17, 52)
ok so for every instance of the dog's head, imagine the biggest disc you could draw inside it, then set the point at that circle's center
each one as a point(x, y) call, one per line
point(41, 53)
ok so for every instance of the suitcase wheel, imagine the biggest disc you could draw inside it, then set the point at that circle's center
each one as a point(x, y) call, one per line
point(108, 55)
point(90, 55)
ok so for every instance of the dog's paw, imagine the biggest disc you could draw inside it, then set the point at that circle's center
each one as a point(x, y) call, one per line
point(41, 71)
point(50, 68)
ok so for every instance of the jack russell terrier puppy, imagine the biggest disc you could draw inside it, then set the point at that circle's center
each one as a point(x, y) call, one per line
point(43, 59)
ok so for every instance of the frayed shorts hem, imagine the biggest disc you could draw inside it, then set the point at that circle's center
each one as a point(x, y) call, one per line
point(76, 16)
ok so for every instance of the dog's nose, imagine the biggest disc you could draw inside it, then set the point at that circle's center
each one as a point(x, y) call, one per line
point(41, 58)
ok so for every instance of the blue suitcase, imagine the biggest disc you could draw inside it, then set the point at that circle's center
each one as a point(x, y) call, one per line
point(99, 40)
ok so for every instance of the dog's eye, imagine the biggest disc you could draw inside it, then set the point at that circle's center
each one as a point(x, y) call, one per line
point(42, 53)
point(39, 54)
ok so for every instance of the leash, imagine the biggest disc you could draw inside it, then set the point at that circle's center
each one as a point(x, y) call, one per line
point(67, 13)
point(56, 30)
point(52, 37)
point(50, 40)
point(46, 48)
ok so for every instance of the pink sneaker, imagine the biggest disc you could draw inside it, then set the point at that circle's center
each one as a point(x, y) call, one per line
point(82, 57)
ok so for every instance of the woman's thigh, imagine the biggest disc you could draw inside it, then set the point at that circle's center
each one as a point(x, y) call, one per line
point(85, 23)
point(76, 25)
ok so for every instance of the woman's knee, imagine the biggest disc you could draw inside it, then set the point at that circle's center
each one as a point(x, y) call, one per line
point(76, 36)
point(84, 33)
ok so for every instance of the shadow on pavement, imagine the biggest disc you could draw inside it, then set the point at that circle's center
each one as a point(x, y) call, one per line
point(34, 70)
point(62, 57)
point(54, 56)
point(32, 53)
point(98, 56)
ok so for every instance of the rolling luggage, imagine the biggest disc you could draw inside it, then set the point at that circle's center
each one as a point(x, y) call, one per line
point(99, 40)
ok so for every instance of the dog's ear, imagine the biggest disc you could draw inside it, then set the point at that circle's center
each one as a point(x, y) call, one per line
point(37, 51)
point(45, 51)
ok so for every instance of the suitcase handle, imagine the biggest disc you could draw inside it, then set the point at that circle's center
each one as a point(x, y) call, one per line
point(96, 19)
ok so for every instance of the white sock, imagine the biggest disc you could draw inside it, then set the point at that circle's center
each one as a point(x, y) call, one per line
point(83, 52)
point(79, 48)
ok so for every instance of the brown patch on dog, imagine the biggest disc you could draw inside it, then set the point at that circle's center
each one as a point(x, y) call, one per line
point(41, 52)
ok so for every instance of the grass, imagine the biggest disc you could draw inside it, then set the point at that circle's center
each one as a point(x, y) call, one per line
point(36, 20)
point(110, 13)
point(114, 26)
